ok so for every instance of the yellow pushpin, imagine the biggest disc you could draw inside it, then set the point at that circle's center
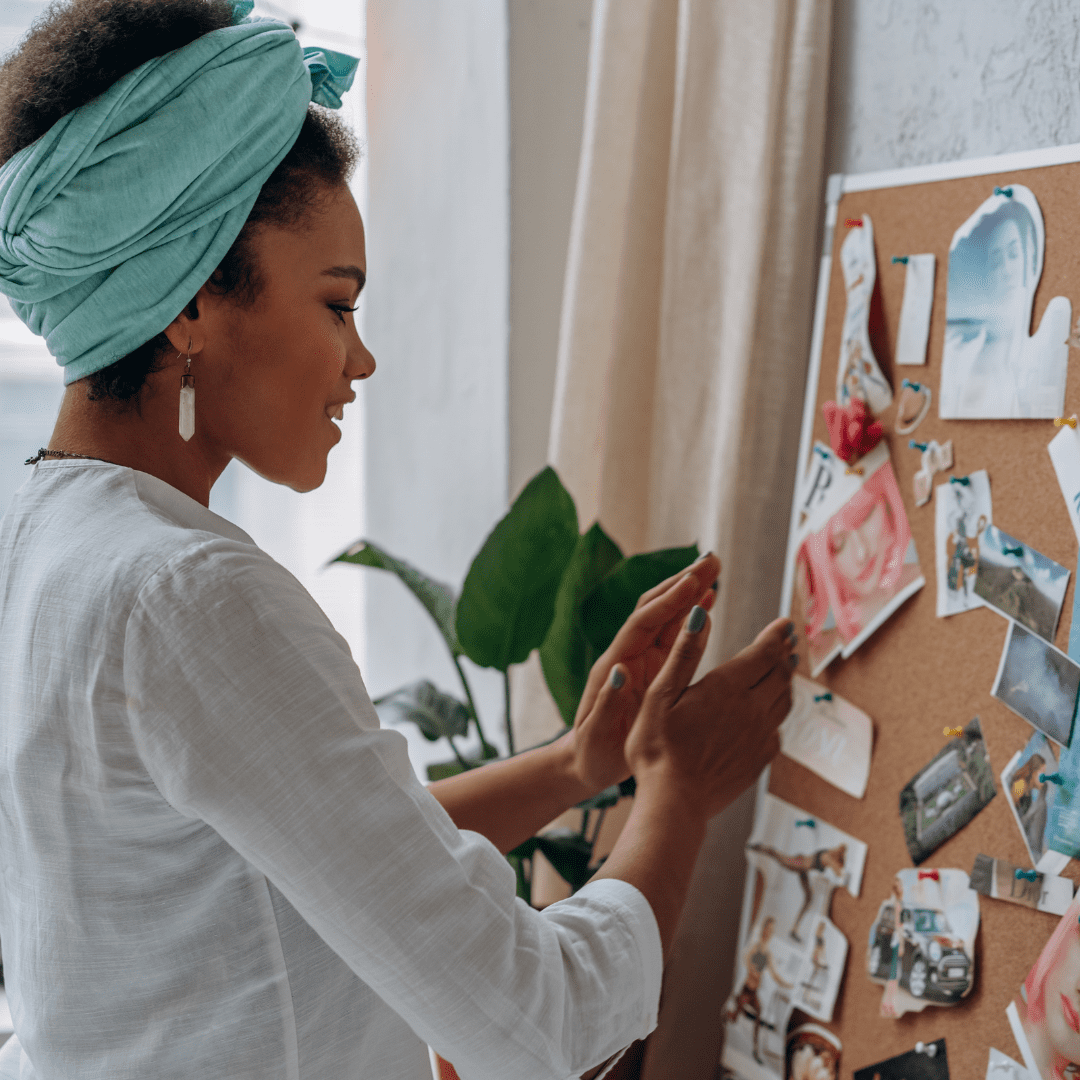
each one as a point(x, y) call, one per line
point(853, 470)
point(1062, 421)
point(1018, 789)
point(952, 732)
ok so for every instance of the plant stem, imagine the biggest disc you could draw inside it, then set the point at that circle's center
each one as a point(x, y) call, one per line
point(457, 753)
point(486, 748)
point(509, 726)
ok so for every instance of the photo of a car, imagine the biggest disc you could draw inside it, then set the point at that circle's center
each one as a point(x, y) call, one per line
point(934, 964)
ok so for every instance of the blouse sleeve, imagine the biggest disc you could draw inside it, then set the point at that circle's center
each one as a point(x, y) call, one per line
point(250, 715)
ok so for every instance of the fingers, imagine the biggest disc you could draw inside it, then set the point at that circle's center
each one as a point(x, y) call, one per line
point(772, 696)
point(706, 570)
point(684, 658)
point(773, 646)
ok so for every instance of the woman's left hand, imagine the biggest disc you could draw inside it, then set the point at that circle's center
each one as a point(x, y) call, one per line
point(605, 715)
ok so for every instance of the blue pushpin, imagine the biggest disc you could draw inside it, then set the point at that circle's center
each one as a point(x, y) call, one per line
point(1006, 191)
point(1027, 875)
point(899, 259)
point(810, 823)
point(913, 385)
point(917, 445)
point(1051, 778)
point(960, 480)
point(823, 697)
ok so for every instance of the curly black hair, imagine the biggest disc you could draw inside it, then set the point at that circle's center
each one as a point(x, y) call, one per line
point(75, 51)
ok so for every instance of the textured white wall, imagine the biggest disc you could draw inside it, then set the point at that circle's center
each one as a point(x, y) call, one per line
point(921, 81)
point(435, 411)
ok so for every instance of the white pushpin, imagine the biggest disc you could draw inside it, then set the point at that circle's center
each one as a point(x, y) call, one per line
point(929, 1051)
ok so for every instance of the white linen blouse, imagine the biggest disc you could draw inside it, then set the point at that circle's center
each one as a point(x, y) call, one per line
point(216, 864)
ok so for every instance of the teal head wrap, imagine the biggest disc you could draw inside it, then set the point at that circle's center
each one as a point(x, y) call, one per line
point(113, 219)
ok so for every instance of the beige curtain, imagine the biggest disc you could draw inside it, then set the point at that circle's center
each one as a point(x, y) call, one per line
point(683, 345)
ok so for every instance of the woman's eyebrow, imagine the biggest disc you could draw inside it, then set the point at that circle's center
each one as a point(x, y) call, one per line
point(353, 272)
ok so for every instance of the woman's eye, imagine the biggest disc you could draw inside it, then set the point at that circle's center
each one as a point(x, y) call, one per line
point(341, 309)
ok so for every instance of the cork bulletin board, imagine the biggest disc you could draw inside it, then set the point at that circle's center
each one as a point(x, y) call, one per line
point(919, 673)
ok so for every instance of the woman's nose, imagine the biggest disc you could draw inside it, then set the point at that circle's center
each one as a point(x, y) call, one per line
point(361, 362)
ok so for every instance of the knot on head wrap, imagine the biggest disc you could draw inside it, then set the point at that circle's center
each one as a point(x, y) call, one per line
point(112, 221)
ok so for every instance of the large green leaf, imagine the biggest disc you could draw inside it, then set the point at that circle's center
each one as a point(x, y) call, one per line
point(508, 599)
point(566, 655)
point(437, 715)
point(612, 601)
point(438, 598)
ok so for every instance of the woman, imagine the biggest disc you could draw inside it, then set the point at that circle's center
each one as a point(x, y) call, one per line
point(823, 861)
point(199, 813)
point(865, 556)
point(756, 960)
point(993, 272)
point(896, 961)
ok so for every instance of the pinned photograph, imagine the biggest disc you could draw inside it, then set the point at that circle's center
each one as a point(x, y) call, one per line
point(947, 793)
point(1000, 880)
point(791, 955)
point(1045, 1015)
point(1038, 682)
point(915, 309)
point(962, 509)
point(991, 367)
point(1030, 794)
point(813, 1053)
point(858, 374)
point(922, 943)
point(1063, 817)
point(928, 1062)
point(828, 735)
point(1002, 1067)
point(857, 564)
point(1019, 582)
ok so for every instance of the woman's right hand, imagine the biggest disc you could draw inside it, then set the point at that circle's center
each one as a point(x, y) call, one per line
point(711, 740)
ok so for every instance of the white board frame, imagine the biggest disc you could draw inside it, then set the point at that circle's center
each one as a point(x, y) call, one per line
point(838, 185)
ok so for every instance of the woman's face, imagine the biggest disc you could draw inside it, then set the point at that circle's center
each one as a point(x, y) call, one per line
point(1062, 989)
point(859, 553)
point(1006, 254)
point(265, 376)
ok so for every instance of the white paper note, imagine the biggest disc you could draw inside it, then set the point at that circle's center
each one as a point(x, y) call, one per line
point(915, 311)
point(1065, 454)
point(828, 735)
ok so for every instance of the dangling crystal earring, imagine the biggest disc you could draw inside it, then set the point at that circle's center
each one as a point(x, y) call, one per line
point(187, 400)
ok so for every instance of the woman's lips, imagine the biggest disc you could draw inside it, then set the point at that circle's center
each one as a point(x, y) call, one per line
point(1072, 1017)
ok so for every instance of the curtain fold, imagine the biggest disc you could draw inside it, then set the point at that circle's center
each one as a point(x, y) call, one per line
point(685, 331)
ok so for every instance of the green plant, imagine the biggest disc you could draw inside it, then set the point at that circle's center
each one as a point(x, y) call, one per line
point(534, 584)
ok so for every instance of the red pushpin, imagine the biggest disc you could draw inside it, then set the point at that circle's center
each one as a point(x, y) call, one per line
point(931, 874)
point(854, 223)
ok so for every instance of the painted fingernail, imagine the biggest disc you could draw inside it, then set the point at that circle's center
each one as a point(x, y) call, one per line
point(617, 678)
point(789, 630)
point(701, 558)
point(715, 585)
point(793, 660)
point(696, 620)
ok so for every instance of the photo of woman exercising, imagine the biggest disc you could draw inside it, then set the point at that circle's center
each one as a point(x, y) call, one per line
point(821, 860)
point(756, 959)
